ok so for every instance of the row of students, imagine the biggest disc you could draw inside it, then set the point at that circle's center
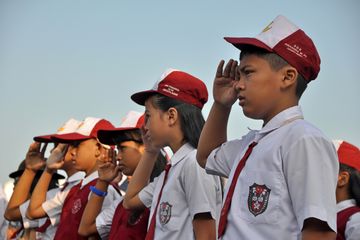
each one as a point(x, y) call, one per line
point(282, 178)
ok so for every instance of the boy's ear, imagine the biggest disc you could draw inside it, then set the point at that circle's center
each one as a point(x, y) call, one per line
point(172, 115)
point(290, 75)
point(98, 149)
point(343, 178)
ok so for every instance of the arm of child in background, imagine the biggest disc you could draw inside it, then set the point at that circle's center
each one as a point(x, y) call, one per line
point(214, 132)
point(204, 226)
point(315, 229)
point(34, 161)
point(54, 162)
point(141, 176)
point(108, 171)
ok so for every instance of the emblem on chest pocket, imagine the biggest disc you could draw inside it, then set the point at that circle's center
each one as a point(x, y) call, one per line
point(164, 212)
point(258, 198)
point(76, 206)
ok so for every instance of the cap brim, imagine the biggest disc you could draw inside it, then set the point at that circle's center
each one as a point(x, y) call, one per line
point(108, 136)
point(44, 138)
point(69, 137)
point(18, 173)
point(241, 43)
point(141, 97)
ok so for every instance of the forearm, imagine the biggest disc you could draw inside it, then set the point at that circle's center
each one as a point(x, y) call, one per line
point(204, 227)
point(319, 236)
point(214, 132)
point(139, 180)
point(20, 195)
point(315, 229)
point(35, 209)
point(93, 208)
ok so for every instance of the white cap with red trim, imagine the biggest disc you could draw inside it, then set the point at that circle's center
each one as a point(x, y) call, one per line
point(133, 120)
point(88, 129)
point(289, 42)
point(70, 126)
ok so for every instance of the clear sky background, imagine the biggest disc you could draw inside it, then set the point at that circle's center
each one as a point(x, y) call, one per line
point(72, 58)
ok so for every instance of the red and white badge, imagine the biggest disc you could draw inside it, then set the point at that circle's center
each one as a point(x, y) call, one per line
point(258, 198)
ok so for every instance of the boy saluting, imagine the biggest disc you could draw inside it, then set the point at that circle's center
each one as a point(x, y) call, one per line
point(282, 178)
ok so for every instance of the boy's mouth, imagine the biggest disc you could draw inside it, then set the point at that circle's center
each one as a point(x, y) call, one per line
point(241, 100)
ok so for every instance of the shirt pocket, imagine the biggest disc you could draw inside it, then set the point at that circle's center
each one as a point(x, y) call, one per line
point(260, 193)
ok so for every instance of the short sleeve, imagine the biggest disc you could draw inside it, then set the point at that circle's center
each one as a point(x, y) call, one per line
point(146, 194)
point(27, 222)
point(221, 159)
point(53, 206)
point(310, 169)
point(352, 230)
point(104, 219)
point(113, 195)
point(202, 191)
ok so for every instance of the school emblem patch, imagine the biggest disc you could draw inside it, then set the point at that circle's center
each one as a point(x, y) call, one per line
point(164, 212)
point(258, 198)
point(76, 206)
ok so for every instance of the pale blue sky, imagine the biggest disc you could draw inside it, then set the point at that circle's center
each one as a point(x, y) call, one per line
point(71, 58)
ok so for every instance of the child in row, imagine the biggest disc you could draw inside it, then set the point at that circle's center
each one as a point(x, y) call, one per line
point(74, 176)
point(115, 222)
point(84, 149)
point(348, 191)
point(184, 200)
point(282, 178)
point(26, 177)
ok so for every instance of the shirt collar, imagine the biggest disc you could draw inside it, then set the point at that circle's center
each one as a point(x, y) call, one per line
point(181, 153)
point(76, 177)
point(345, 204)
point(89, 178)
point(286, 116)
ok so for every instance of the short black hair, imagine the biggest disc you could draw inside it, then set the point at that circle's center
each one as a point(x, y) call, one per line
point(191, 118)
point(135, 135)
point(276, 63)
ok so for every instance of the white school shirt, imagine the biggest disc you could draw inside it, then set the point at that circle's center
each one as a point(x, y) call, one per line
point(28, 223)
point(111, 196)
point(188, 191)
point(53, 206)
point(103, 221)
point(291, 175)
point(3, 222)
point(352, 230)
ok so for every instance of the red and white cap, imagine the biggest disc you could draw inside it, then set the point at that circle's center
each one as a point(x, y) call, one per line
point(133, 120)
point(70, 126)
point(88, 129)
point(348, 154)
point(178, 85)
point(289, 42)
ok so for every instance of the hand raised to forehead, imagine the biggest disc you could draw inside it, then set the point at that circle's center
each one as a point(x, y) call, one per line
point(148, 143)
point(223, 88)
point(35, 159)
point(56, 158)
point(107, 167)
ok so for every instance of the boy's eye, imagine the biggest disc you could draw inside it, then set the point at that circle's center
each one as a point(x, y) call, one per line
point(75, 144)
point(247, 71)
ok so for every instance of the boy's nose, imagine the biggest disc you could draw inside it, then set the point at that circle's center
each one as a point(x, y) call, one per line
point(239, 85)
point(119, 156)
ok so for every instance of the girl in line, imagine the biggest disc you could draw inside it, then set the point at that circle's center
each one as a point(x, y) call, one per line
point(184, 200)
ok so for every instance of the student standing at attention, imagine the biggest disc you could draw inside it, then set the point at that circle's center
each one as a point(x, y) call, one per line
point(282, 178)
point(184, 200)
